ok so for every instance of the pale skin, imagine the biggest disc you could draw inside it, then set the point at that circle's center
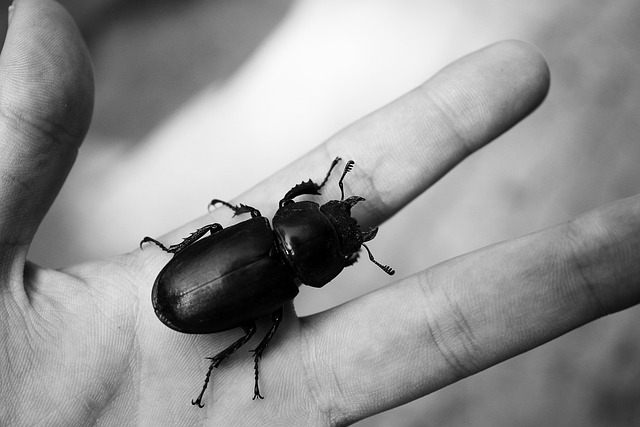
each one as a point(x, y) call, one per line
point(82, 346)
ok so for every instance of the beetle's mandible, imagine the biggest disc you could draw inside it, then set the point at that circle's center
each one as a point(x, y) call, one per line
point(250, 270)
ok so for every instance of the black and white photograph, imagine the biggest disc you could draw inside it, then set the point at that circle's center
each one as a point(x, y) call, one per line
point(379, 213)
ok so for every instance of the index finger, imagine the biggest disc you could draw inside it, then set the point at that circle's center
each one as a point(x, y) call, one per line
point(403, 148)
point(406, 146)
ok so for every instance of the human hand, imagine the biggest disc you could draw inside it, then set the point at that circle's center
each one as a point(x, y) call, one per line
point(82, 346)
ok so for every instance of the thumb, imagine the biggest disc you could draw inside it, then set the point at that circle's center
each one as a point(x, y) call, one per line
point(46, 101)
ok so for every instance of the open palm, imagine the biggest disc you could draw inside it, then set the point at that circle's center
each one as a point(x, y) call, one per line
point(82, 346)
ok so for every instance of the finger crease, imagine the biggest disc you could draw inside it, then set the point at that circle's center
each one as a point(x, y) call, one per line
point(581, 266)
point(452, 336)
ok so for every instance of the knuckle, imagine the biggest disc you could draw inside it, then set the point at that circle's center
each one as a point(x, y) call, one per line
point(450, 333)
point(582, 264)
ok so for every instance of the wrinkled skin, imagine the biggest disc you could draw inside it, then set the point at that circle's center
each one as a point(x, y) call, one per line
point(81, 346)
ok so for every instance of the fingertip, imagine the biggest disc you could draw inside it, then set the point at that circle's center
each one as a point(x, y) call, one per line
point(491, 89)
point(45, 70)
point(529, 62)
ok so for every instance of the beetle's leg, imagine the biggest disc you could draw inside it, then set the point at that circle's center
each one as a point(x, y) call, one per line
point(249, 330)
point(187, 241)
point(257, 353)
point(237, 209)
point(326, 177)
point(308, 187)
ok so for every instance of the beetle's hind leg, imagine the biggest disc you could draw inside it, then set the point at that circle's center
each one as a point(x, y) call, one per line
point(249, 330)
point(237, 209)
point(276, 317)
point(187, 241)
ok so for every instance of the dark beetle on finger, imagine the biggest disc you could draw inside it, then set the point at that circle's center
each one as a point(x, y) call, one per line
point(249, 270)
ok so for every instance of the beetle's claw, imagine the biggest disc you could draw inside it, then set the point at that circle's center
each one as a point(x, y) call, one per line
point(155, 242)
point(197, 402)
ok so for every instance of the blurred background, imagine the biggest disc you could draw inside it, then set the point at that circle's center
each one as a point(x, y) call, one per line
point(203, 98)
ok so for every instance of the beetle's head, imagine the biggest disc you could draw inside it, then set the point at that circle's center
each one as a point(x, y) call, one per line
point(350, 237)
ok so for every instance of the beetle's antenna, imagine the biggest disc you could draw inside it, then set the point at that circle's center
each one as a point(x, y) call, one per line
point(347, 168)
point(390, 271)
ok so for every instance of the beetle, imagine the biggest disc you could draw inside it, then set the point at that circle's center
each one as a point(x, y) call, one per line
point(249, 270)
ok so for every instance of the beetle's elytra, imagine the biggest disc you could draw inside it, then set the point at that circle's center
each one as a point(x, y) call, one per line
point(250, 270)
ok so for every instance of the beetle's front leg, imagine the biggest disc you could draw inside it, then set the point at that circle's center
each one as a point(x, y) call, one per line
point(239, 209)
point(249, 330)
point(257, 352)
point(308, 187)
point(187, 241)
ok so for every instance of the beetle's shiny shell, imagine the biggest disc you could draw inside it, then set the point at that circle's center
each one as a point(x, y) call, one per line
point(309, 242)
point(224, 281)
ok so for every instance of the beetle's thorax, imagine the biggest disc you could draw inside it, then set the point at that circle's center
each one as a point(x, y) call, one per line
point(318, 242)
